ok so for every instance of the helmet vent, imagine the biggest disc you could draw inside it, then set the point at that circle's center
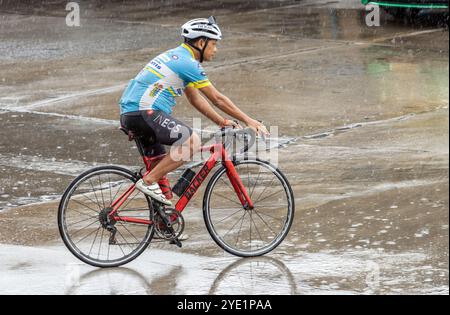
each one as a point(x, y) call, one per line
point(203, 30)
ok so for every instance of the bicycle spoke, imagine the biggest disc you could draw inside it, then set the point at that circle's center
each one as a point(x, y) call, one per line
point(248, 177)
point(88, 235)
point(265, 223)
point(86, 197)
point(95, 238)
point(126, 241)
point(114, 199)
point(267, 197)
point(265, 188)
point(100, 246)
point(95, 195)
point(130, 200)
point(230, 216)
point(278, 219)
point(277, 206)
point(254, 186)
point(237, 222)
point(110, 191)
point(120, 247)
point(240, 228)
point(123, 225)
point(101, 190)
point(256, 228)
point(250, 231)
point(227, 208)
point(226, 184)
point(228, 199)
point(95, 211)
point(88, 219)
point(84, 228)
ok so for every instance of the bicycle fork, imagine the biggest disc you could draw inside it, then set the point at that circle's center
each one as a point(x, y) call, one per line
point(238, 186)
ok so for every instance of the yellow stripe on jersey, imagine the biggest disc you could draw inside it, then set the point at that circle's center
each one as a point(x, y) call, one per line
point(159, 75)
point(202, 85)
point(188, 49)
point(199, 84)
point(171, 91)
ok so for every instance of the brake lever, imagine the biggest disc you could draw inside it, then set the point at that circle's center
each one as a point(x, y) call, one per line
point(263, 136)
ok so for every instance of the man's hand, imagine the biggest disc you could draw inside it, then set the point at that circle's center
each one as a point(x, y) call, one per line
point(258, 127)
point(230, 123)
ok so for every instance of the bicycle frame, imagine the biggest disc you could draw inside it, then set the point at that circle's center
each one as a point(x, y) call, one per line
point(218, 153)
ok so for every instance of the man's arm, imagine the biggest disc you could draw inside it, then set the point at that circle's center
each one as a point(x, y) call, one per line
point(227, 106)
point(201, 104)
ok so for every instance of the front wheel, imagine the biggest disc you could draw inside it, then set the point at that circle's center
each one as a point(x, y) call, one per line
point(244, 232)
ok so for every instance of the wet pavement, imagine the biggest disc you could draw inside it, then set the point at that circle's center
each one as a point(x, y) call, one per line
point(368, 108)
point(162, 272)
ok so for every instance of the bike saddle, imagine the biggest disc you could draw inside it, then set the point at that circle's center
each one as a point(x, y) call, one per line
point(131, 134)
point(143, 143)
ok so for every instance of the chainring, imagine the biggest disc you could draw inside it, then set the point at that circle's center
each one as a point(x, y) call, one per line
point(176, 228)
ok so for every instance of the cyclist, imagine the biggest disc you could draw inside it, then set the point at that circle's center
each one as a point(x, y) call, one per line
point(148, 101)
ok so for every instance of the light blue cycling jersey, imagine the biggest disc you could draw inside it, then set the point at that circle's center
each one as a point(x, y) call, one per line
point(162, 80)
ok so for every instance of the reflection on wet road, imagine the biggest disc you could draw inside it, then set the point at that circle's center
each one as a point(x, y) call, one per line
point(50, 271)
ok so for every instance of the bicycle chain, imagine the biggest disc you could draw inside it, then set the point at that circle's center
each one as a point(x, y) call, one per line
point(171, 226)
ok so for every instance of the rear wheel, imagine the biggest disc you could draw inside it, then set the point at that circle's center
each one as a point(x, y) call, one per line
point(249, 232)
point(86, 228)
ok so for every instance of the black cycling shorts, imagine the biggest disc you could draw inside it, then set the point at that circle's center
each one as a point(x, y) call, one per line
point(156, 129)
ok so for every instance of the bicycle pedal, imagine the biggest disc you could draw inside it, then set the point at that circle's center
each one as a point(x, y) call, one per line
point(176, 242)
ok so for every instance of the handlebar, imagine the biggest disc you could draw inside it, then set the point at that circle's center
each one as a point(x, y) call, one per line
point(228, 134)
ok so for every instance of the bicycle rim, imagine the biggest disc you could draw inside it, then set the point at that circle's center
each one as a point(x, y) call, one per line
point(82, 215)
point(249, 233)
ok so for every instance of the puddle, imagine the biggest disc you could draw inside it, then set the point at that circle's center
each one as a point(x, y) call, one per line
point(160, 272)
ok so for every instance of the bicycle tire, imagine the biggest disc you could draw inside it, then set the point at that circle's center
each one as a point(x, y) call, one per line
point(63, 229)
point(277, 240)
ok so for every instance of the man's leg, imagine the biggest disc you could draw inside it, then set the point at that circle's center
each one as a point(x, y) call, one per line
point(175, 159)
point(167, 130)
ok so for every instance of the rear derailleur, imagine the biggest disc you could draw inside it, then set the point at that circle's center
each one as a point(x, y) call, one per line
point(108, 224)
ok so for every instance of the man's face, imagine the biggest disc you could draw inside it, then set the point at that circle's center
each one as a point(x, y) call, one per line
point(211, 49)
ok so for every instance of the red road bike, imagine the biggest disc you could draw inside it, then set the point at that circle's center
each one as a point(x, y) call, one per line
point(248, 207)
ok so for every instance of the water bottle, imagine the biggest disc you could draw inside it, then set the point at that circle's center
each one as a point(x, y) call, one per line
point(183, 183)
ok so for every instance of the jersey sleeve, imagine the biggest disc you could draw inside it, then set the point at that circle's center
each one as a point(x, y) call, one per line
point(195, 76)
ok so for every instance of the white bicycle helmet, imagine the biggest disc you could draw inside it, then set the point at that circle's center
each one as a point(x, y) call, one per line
point(202, 28)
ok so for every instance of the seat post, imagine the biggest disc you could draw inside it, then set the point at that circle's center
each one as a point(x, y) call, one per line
point(140, 147)
point(132, 136)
